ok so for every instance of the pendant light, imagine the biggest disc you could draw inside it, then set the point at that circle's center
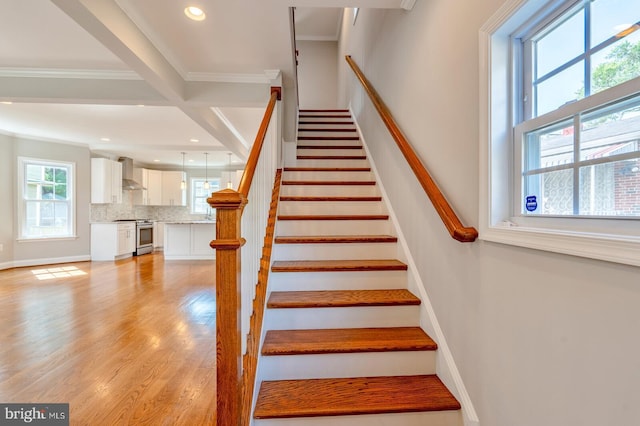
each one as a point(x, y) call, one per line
point(229, 183)
point(206, 171)
point(183, 184)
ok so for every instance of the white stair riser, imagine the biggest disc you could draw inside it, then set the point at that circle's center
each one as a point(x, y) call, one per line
point(351, 317)
point(366, 364)
point(331, 227)
point(332, 251)
point(336, 143)
point(331, 208)
point(331, 163)
point(334, 152)
point(331, 175)
point(318, 116)
point(363, 280)
point(330, 190)
point(320, 133)
point(333, 125)
point(427, 418)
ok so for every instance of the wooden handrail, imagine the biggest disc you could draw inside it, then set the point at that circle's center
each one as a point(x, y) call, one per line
point(446, 213)
point(254, 155)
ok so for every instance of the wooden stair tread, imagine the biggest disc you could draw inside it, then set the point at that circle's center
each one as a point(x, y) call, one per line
point(346, 340)
point(330, 182)
point(334, 217)
point(324, 110)
point(331, 157)
point(328, 138)
point(329, 147)
point(326, 122)
point(324, 116)
point(324, 129)
point(328, 198)
point(338, 265)
point(347, 396)
point(341, 298)
point(335, 239)
point(327, 169)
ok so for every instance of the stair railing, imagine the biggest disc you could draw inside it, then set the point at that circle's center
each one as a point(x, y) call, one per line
point(446, 213)
point(241, 222)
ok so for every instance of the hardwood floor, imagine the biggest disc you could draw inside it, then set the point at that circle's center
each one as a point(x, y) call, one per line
point(130, 342)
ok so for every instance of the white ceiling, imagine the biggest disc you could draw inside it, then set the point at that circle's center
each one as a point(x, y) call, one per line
point(141, 74)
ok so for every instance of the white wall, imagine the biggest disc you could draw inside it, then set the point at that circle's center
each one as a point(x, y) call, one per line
point(539, 338)
point(6, 206)
point(34, 252)
point(317, 77)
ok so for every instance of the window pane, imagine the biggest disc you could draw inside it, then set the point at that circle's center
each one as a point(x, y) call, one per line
point(564, 87)
point(616, 64)
point(61, 192)
point(47, 192)
point(549, 146)
point(34, 173)
point(611, 131)
point(610, 17)
point(60, 176)
point(610, 189)
point(562, 44)
point(552, 193)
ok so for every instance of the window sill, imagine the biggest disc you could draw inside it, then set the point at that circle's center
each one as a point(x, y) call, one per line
point(41, 239)
point(611, 248)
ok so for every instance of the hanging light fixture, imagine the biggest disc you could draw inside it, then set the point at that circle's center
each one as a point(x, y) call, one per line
point(229, 183)
point(206, 171)
point(183, 184)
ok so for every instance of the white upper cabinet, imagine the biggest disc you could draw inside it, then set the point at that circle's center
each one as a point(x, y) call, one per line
point(162, 188)
point(106, 181)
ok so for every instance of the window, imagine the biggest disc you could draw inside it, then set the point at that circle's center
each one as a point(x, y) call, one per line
point(561, 134)
point(46, 191)
point(199, 195)
point(580, 160)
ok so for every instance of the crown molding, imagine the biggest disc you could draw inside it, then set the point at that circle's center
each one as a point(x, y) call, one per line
point(69, 73)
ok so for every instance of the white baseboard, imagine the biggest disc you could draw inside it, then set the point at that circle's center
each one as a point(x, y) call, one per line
point(44, 261)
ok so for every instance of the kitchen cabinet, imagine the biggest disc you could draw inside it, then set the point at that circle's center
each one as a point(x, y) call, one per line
point(111, 241)
point(172, 193)
point(162, 188)
point(158, 236)
point(189, 240)
point(106, 181)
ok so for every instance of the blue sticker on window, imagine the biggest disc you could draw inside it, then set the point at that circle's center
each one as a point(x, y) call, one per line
point(531, 203)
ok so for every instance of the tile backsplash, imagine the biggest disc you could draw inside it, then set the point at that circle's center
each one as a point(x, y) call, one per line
point(127, 210)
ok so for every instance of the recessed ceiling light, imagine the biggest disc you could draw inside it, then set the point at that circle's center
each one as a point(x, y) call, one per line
point(194, 13)
point(194, 140)
point(7, 102)
point(190, 160)
point(156, 161)
point(140, 105)
point(105, 139)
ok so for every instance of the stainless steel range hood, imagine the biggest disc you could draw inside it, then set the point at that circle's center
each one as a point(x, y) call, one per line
point(128, 184)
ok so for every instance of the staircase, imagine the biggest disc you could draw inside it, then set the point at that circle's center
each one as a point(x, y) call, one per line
point(343, 344)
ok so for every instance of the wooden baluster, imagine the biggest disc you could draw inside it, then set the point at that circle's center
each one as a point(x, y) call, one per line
point(228, 204)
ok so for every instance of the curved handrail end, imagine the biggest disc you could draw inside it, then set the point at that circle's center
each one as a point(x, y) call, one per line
point(465, 235)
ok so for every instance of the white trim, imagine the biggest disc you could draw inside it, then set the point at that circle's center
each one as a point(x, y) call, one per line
point(449, 368)
point(495, 156)
point(211, 77)
point(47, 261)
point(68, 73)
point(407, 4)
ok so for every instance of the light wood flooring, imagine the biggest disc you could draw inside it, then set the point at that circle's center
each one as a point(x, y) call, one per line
point(130, 342)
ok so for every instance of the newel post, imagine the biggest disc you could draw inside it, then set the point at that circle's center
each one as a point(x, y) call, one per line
point(228, 204)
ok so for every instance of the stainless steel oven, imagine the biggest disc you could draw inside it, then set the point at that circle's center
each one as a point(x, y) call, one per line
point(144, 237)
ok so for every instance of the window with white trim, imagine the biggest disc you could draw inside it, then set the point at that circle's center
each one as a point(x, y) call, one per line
point(582, 159)
point(199, 195)
point(46, 190)
point(561, 142)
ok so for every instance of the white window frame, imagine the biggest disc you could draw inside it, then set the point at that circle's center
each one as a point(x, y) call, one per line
point(21, 191)
point(605, 239)
point(214, 186)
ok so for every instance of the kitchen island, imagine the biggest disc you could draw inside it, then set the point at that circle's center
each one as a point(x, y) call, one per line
point(189, 239)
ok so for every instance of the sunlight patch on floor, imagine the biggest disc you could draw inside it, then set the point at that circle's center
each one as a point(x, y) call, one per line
point(57, 272)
